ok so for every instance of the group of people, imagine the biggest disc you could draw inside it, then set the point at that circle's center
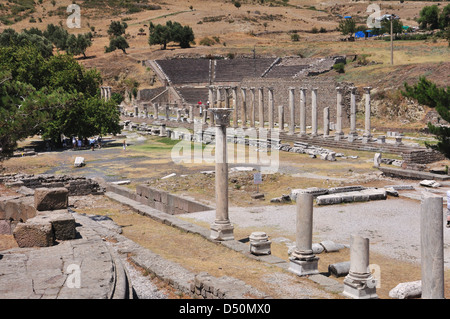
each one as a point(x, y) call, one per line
point(92, 142)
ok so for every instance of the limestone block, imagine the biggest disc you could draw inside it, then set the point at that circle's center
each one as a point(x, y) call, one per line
point(79, 162)
point(34, 233)
point(62, 221)
point(407, 290)
point(5, 227)
point(328, 199)
point(51, 198)
point(339, 269)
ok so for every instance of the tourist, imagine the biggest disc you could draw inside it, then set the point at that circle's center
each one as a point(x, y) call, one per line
point(124, 145)
point(74, 143)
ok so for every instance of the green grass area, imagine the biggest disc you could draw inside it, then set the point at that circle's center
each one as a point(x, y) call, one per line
point(16, 10)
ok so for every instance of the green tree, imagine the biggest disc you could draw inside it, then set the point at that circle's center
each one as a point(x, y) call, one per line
point(444, 18)
point(171, 31)
point(116, 40)
point(429, 17)
point(78, 44)
point(427, 93)
point(10, 37)
point(347, 26)
point(57, 35)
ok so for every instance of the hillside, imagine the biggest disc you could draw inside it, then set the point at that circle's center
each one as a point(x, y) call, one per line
point(260, 27)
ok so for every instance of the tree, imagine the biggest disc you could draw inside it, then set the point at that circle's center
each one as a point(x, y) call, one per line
point(172, 31)
point(77, 44)
point(347, 26)
point(116, 40)
point(427, 93)
point(57, 35)
point(444, 18)
point(429, 17)
point(116, 28)
point(10, 37)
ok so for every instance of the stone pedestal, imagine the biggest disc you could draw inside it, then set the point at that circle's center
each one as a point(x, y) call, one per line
point(221, 229)
point(359, 283)
point(303, 261)
point(260, 244)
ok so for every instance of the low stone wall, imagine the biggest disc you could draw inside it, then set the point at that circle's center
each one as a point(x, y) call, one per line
point(160, 200)
point(422, 156)
point(206, 286)
point(77, 186)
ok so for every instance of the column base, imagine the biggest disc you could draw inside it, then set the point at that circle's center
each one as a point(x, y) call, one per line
point(360, 289)
point(222, 232)
point(304, 267)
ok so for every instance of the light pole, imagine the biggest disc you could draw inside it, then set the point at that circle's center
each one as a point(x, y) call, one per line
point(391, 18)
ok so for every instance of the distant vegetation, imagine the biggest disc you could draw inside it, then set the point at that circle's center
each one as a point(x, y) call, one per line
point(171, 32)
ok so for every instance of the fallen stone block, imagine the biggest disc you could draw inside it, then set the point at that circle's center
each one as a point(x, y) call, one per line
point(257, 196)
point(430, 183)
point(328, 200)
point(51, 198)
point(330, 246)
point(407, 290)
point(33, 233)
point(391, 192)
point(79, 162)
point(282, 199)
point(339, 269)
point(62, 222)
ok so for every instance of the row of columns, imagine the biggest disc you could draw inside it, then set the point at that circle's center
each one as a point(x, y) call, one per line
point(241, 107)
point(105, 92)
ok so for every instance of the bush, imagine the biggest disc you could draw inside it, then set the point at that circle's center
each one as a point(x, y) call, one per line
point(339, 67)
point(207, 41)
point(295, 37)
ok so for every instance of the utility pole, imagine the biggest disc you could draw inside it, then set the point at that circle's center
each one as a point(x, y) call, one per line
point(392, 40)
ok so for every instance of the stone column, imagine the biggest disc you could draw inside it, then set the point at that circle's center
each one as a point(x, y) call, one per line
point(367, 134)
point(221, 229)
point(252, 108)
point(303, 261)
point(218, 97)
point(178, 115)
point(271, 109)
point(281, 118)
point(353, 112)
point(291, 111)
point(156, 111)
point(109, 93)
point(211, 96)
point(302, 112)
point(235, 105)
point(339, 132)
point(261, 107)
point(326, 122)
point(191, 114)
point(227, 97)
point(167, 111)
point(432, 246)
point(314, 111)
point(359, 283)
point(244, 108)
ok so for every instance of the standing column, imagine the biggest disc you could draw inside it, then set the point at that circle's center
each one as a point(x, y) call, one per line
point(367, 135)
point(221, 229)
point(353, 112)
point(235, 105)
point(108, 96)
point(303, 261)
point(244, 108)
point(211, 96)
point(218, 97)
point(314, 111)
point(261, 107)
point(281, 118)
point(359, 283)
point(291, 111)
point(167, 112)
point(155, 110)
point(227, 97)
point(432, 246)
point(191, 114)
point(271, 109)
point(252, 108)
point(339, 132)
point(302, 112)
point(326, 122)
